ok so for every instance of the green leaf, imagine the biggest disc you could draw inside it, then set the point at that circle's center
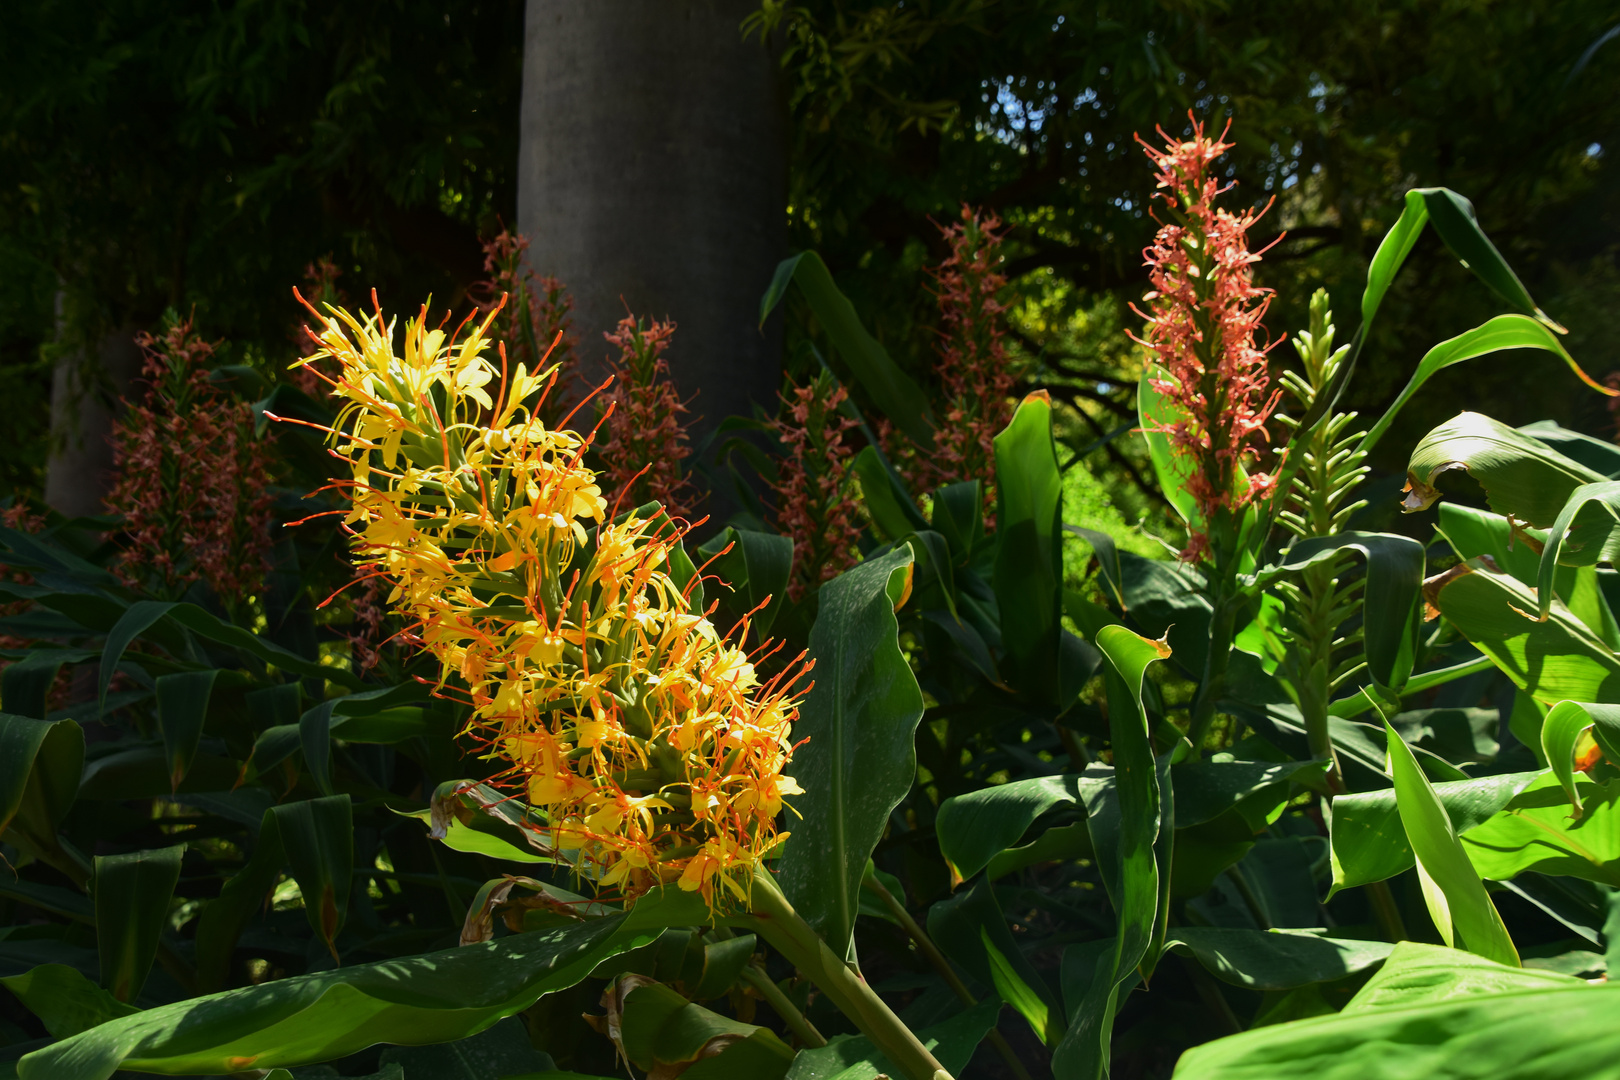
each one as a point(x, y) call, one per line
point(1456, 897)
point(1392, 613)
point(431, 998)
point(476, 818)
point(661, 1029)
point(893, 513)
point(1561, 731)
point(1595, 454)
point(1028, 575)
point(1513, 547)
point(132, 894)
point(1559, 659)
point(975, 827)
point(1173, 472)
point(1108, 565)
point(971, 930)
point(1522, 476)
point(132, 624)
point(1534, 831)
point(25, 684)
point(1392, 252)
point(860, 758)
point(1584, 533)
point(318, 838)
point(852, 1057)
point(893, 391)
point(1502, 332)
point(40, 765)
point(754, 571)
point(959, 517)
point(1083, 1054)
point(1454, 219)
point(182, 700)
point(1276, 959)
point(241, 898)
point(1453, 1018)
point(1208, 788)
point(1369, 843)
point(64, 1000)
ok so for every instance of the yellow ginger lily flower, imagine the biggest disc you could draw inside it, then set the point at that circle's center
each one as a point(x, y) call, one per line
point(640, 733)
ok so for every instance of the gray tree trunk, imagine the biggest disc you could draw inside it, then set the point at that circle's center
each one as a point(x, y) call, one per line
point(653, 174)
point(84, 402)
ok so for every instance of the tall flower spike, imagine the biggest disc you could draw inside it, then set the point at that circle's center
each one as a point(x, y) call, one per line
point(644, 737)
point(646, 439)
point(1204, 314)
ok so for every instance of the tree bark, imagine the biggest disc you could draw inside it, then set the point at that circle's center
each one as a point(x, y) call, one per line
point(653, 176)
point(85, 391)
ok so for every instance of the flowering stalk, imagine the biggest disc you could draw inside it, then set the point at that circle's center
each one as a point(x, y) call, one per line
point(645, 739)
point(813, 502)
point(192, 477)
point(973, 366)
point(536, 320)
point(646, 440)
point(1204, 313)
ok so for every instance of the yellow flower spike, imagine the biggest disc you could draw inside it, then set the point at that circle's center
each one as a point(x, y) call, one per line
point(642, 735)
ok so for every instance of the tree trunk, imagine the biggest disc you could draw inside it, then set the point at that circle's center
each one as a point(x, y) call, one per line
point(84, 401)
point(653, 175)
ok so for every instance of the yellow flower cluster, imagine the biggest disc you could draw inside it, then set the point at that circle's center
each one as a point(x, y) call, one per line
point(644, 737)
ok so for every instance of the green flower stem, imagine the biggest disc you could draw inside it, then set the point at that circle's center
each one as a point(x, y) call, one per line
point(775, 920)
point(931, 953)
point(796, 1021)
point(1213, 684)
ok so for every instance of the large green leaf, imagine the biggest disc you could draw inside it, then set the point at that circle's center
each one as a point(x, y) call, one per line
point(1514, 548)
point(662, 1031)
point(1535, 831)
point(25, 685)
point(1029, 551)
point(424, 999)
point(317, 836)
point(1446, 1017)
point(1392, 613)
point(182, 700)
point(40, 765)
point(133, 893)
point(894, 392)
point(1137, 896)
point(1522, 476)
point(1276, 959)
point(1561, 733)
point(1369, 843)
point(1502, 332)
point(1596, 454)
point(1456, 896)
point(860, 759)
point(1559, 659)
point(974, 828)
point(64, 1000)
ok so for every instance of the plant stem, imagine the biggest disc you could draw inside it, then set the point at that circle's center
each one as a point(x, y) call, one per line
point(796, 1021)
point(931, 953)
point(775, 920)
point(1386, 910)
point(1214, 681)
